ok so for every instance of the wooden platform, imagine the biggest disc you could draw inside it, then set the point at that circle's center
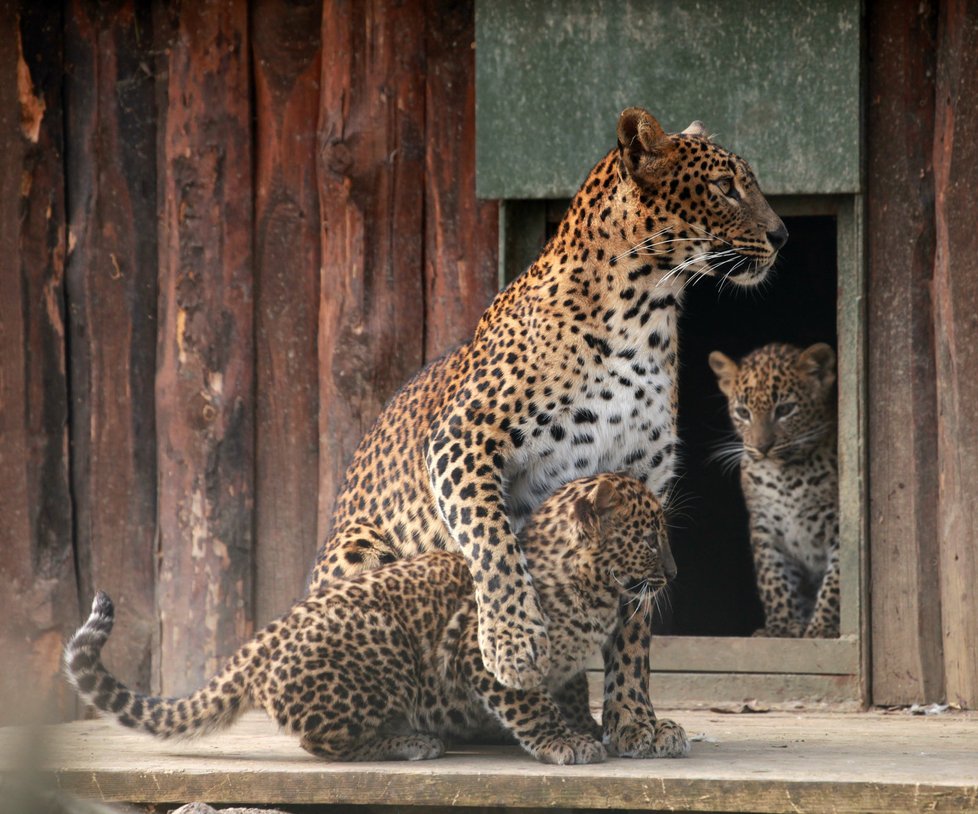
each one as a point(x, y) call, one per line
point(771, 762)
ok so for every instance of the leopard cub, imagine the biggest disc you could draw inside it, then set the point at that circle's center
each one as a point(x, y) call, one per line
point(386, 665)
point(782, 404)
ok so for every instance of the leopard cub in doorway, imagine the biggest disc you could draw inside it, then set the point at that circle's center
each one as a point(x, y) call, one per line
point(387, 664)
point(781, 401)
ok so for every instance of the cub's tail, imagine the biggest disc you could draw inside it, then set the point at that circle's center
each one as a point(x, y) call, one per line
point(212, 707)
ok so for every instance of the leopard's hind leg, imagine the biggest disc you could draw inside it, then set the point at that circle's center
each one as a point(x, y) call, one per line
point(374, 746)
point(355, 547)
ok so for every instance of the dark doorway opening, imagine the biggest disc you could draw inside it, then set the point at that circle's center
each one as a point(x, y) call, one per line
point(714, 593)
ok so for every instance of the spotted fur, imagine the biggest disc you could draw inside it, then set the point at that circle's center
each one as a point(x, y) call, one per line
point(385, 665)
point(782, 404)
point(571, 371)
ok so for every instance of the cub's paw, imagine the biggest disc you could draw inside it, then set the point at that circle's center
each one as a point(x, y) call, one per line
point(570, 749)
point(817, 630)
point(655, 738)
point(780, 630)
point(416, 747)
point(514, 644)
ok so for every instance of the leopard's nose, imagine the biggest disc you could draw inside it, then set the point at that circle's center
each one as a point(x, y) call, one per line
point(779, 236)
point(669, 565)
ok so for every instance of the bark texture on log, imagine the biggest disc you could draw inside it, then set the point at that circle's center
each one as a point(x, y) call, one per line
point(205, 377)
point(286, 59)
point(907, 665)
point(956, 323)
point(38, 594)
point(461, 232)
point(371, 195)
point(111, 283)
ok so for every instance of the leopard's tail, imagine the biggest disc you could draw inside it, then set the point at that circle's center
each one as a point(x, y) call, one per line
point(214, 706)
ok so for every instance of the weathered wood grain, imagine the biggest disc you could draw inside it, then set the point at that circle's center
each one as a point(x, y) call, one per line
point(956, 329)
point(774, 762)
point(461, 232)
point(111, 286)
point(371, 196)
point(38, 598)
point(205, 379)
point(286, 63)
point(905, 597)
point(726, 654)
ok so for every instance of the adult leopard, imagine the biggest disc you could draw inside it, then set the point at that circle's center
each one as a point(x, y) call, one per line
point(571, 372)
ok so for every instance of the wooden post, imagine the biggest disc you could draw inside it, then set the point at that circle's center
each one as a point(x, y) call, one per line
point(371, 196)
point(461, 233)
point(286, 59)
point(956, 303)
point(38, 597)
point(111, 283)
point(905, 598)
point(204, 384)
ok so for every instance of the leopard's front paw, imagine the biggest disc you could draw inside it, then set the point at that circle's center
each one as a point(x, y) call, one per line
point(654, 738)
point(820, 630)
point(570, 749)
point(780, 630)
point(514, 643)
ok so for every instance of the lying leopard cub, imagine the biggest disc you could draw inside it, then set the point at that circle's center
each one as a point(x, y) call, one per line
point(384, 665)
point(782, 405)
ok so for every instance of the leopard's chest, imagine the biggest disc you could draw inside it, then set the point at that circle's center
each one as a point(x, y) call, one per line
point(615, 412)
point(575, 638)
point(798, 504)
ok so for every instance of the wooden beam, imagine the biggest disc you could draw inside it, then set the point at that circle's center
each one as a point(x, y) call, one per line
point(286, 63)
point(733, 654)
point(204, 384)
point(371, 196)
point(38, 597)
point(461, 232)
point(905, 596)
point(956, 303)
point(111, 286)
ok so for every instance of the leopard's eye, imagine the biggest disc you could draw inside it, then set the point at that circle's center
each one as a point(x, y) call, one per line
point(785, 409)
point(742, 412)
point(727, 188)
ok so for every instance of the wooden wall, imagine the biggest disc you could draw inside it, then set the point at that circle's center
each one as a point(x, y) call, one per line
point(228, 232)
point(922, 129)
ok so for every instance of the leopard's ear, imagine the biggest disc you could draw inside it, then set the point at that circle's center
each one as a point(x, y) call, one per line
point(599, 502)
point(644, 146)
point(726, 370)
point(697, 128)
point(818, 361)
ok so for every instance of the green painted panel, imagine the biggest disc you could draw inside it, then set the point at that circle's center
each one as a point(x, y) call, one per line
point(777, 81)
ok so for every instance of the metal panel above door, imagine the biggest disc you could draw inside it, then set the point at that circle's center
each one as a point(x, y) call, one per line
point(777, 81)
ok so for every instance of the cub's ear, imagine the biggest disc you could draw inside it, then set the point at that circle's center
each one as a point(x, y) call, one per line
point(601, 500)
point(726, 370)
point(643, 143)
point(697, 128)
point(818, 361)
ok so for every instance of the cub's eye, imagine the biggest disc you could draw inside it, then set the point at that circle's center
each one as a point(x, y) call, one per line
point(742, 412)
point(727, 188)
point(785, 409)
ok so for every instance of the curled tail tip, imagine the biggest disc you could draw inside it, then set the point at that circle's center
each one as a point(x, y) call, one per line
point(102, 605)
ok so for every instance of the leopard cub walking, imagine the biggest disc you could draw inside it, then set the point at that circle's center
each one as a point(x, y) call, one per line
point(385, 665)
point(782, 404)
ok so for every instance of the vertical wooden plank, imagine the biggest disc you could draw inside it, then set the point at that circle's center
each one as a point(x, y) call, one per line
point(371, 196)
point(205, 409)
point(956, 304)
point(905, 610)
point(461, 232)
point(286, 59)
point(38, 595)
point(111, 284)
